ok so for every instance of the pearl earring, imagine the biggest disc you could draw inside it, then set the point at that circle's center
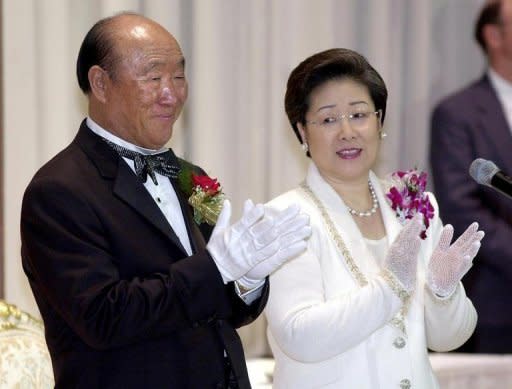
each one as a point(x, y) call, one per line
point(305, 147)
point(382, 135)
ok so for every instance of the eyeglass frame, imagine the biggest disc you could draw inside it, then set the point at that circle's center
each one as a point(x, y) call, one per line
point(349, 116)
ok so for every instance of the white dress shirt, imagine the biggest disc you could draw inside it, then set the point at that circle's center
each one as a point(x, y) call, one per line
point(378, 248)
point(503, 89)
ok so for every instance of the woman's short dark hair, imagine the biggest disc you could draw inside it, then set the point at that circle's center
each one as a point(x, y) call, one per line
point(98, 48)
point(490, 14)
point(329, 65)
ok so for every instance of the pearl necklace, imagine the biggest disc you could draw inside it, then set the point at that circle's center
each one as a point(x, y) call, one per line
point(371, 211)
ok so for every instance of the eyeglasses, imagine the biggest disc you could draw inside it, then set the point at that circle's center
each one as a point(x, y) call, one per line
point(357, 120)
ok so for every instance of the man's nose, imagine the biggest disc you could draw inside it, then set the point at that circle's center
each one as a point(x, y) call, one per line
point(168, 94)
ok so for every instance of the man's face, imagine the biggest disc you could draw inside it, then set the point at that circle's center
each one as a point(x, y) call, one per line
point(505, 30)
point(146, 93)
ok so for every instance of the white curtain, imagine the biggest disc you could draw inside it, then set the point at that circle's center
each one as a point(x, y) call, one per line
point(239, 55)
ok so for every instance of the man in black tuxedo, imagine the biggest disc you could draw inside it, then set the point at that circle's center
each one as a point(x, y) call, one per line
point(134, 293)
point(476, 122)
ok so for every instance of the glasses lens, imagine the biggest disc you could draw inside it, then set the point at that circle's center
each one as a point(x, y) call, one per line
point(360, 120)
point(357, 120)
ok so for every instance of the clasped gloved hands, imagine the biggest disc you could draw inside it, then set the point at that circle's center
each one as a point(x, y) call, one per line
point(257, 244)
point(449, 263)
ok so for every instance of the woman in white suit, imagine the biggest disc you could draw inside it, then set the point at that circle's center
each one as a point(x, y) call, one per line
point(377, 286)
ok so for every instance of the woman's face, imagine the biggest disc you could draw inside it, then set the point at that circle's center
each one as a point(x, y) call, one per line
point(346, 149)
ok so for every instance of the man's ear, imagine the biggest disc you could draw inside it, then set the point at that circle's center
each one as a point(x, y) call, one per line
point(98, 80)
point(492, 36)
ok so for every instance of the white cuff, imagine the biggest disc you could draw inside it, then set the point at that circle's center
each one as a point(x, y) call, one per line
point(249, 295)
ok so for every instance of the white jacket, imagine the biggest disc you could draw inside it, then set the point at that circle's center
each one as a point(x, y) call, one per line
point(327, 331)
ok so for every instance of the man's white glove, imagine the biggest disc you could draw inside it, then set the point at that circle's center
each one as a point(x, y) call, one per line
point(402, 258)
point(292, 228)
point(238, 248)
point(449, 263)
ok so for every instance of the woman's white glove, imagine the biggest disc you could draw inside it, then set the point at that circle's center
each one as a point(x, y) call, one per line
point(402, 258)
point(256, 239)
point(449, 263)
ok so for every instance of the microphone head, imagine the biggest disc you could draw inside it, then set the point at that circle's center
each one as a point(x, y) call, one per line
point(483, 171)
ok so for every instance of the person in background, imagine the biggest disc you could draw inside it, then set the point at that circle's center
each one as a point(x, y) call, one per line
point(379, 283)
point(476, 122)
point(134, 289)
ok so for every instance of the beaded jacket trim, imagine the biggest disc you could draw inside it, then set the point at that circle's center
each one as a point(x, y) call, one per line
point(398, 320)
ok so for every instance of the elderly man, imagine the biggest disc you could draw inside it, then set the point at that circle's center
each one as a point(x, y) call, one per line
point(133, 291)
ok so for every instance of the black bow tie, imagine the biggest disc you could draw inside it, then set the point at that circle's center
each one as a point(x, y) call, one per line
point(164, 163)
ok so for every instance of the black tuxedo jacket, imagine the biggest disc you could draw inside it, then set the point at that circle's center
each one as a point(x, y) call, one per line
point(467, 125)
point(123, 304)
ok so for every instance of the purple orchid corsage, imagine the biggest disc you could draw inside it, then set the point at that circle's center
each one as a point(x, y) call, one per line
point(408, 197)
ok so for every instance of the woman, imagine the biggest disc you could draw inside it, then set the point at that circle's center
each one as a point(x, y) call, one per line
point(371, 294)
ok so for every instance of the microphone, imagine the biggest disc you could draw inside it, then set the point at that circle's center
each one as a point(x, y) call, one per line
point(487, 173)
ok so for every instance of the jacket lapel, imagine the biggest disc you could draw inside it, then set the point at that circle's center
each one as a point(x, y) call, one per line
point(391, 223)
point(126, 185)
point(344, 223)
point(129, 188)
point(196, 238)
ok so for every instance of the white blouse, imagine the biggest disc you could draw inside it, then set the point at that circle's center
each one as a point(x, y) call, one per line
point(378, 248)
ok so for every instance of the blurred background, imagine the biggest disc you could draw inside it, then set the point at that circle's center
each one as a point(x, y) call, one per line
point(239, 54)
